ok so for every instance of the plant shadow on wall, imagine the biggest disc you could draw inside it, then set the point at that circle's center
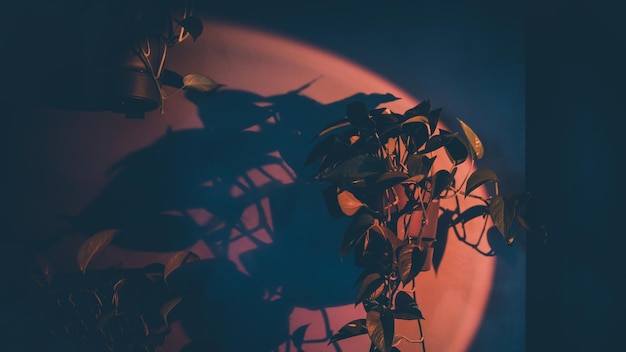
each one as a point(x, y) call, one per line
point(237, 186)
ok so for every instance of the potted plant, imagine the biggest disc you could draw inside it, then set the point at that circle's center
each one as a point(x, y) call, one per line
point(389, 172)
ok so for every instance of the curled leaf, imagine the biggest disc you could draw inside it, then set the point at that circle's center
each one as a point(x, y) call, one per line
point(479, 177)
point(199, 82)
point(178, 259)
point(353, 328)
point(371, 287)
point(167, 307)
point(93, 246)
point(475, 144)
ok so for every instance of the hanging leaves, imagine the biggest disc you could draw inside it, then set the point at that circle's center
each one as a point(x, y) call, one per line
point(177, 260)
point(192, 25)
point(199, 82)
point(478, 178)
point(380, 327)
point(474, 142)
point(93, 246)
point(354, 328)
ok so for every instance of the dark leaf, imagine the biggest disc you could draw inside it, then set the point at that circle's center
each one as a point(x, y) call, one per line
point(328, 145)
point(192, 25)
point(423, 109)
point(371, 287)
point(419, 135)
point(178, 259)
point(171, 78)
point(380, 327)
point(455, 149)
point(439, 247)
point(298, 336)
point(355, 232)
point(478, 178)
point(167, 307)
point(389, 179)
point(442, 180)
point(433, 119)
point(93, 246)
point(437, 141)
point(358, 115)
point(410, 261)
point(419, 164)
point(351, 329)
point(45, 267)
point(333, 126)
point(406, 308)
point(496, 210)
point(474, 142)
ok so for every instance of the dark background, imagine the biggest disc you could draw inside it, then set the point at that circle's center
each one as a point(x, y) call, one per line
point(574, 79)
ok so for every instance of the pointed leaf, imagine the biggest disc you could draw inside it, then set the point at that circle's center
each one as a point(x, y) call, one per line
point(433, 119)
point(478, 178)
point(437, 141)
point(332, 203)
point(355, 232)
point(298, 336)
point(496, 210)
point(358, 115)
point(410, 261)
point(93, 246)
point(455, 149)
point(193, 25)
point(167, 307)
point(389, 179)
point(354, 328)
point(423, 108)
point(199, 82)
point(406, 308)
point(348, 202)
point(372, 287)
point(419, 164)
point(475, 144)
point(333, 126)
point(178, 259)
point(417, 119)
point(380, 327)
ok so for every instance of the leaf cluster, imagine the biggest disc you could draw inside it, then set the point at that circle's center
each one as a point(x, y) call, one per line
point(384, 169)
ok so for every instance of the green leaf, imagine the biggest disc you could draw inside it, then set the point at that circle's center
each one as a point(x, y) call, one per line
point(380, 327)
point(354, 328)
point(199, 82)
point(371, 287)
point(478, 178)
point(355, 232)
point(406, 308)
point(93, 246)
point(475, 144)
point(455, 149)
point(167, 307)
point(355, 169)
point(177, 260)
point(410, 261)
point(442, 180)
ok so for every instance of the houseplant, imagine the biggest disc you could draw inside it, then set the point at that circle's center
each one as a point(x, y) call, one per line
point(390, 172)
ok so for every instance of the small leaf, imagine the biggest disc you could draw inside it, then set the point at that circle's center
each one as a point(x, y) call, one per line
point(437, 141)
point(167, 307)
point(406, 307)
point(496, 210)
point(423, 108)
point(419, 164)
point(479, 177)
point(193, 25)
point(456, 150)
point(354, 328)
point(199, 82)
point(372, 287)
point(433, 119)
point(442, 180)
point(178, 259)
point(348, 202)
point(93, 246)
point(475, 144)
point(380, 327)
point(298, 336)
